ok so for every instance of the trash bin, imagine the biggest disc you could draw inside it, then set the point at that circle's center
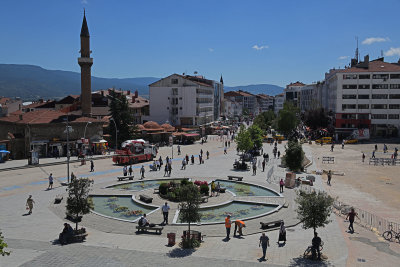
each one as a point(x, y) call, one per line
point(171, 239)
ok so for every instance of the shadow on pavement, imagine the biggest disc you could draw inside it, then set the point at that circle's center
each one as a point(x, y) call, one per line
point(301, 261)
point(180, 253)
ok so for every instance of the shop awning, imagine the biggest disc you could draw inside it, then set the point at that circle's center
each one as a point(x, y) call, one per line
point(191, 134)
point(100, 141)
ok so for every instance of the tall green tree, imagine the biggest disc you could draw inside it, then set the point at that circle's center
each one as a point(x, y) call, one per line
point(119, 111)
point(288, 120)
point(3, 245)
point(189, 196)
point(243, 140)
point(256, 136)
point(78, 197)
point(314, 209)
point(316, 118)
point(294, 156)
point(265, 119)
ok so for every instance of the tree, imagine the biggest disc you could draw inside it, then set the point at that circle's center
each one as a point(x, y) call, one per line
point(119, 111)
point(264, 120)
point(245, 112)
point(286, 122)
point(256, 136)
point(294, 156)
point(3, 245)
point(316, 118)
point(314, 209)
point(189, 196)
point(78, 194)
point(243, 140)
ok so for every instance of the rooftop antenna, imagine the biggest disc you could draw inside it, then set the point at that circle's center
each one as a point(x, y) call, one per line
point(357, 53)
point(381, 53)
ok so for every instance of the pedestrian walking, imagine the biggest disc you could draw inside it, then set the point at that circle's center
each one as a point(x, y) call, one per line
point(183, 164)
point(332, 146)
point(254, 169)
point(50, 181)
point(264, 243)
point(279, 154)
point(225, 151)
point(351, 216)
point(226, 143)
point(263, 165)
point(282, 233)
point(169, 169)
point(363, 157)
point(179, 149)
point(342, 144)
point(187, 158)
point(199, 159)
point(73, 177)
point(373, 154)
point(385, 148)
point(29, 204)
point(130, 170)
point(228, 224)
point(142, 172)
point(165, 210)
point(218, 188)
point(329, 177)
point(125, 170)
point(208, 154)
point(166, 169)
point(213, 188)
point(201, 152)
point(281, 184)
point(229, 143)
point(161, 162)
point(376, 147)
point(192, 159)
point(91, 166)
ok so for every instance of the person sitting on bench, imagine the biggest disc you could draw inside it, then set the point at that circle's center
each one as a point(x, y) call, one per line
point(144, 221)
point(66, 234)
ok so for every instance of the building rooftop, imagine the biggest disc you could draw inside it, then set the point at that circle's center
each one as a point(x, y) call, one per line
point(43, 117)
point(373, 66)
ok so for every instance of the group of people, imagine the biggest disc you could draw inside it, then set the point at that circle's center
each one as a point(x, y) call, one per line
point(215, 188)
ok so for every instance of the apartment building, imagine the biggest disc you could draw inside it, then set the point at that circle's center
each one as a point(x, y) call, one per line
point(278, 102)
point(365, 95)
point(293, 92)
point(232, 109)
point(265, 102)
point(185, 100)
point(247, 100)
point(9, 105)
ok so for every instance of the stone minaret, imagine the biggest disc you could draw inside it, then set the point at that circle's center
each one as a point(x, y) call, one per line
point(86, 62)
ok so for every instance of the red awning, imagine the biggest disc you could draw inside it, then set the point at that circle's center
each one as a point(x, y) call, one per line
point(191, 134)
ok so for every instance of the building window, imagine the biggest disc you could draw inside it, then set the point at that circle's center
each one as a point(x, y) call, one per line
point(180, 108)
point(394, 106)
point(363, 106)
point(397, 96)
point(349, 76)
point(348, 116)
point(380, 76)
point(349, 86)
point(394, 76)
point(363, 116)
point(363, 96)
point(348, 96)
point(379, 86)
point(348, 106)
point(395, 86)
point(363, 86)
point(174, 81)
point(393, 116)
point(174, 91)
point(364, 76)
point(379, 96)
point(379, 106)
point(379, 116)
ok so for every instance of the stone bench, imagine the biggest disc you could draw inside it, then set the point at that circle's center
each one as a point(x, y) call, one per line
point(157, 229)
point(268, 225)
point(121, 178)
point(239, 178)
point(145, 198)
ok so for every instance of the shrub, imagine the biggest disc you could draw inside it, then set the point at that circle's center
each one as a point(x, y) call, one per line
point(204, 189)
point(199, 183)
point(184, 181)
point(163, 189)
point(171, 195)
point(190, 243)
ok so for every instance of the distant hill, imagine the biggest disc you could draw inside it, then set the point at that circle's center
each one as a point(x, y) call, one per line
point(33, 82)
point(268, 89)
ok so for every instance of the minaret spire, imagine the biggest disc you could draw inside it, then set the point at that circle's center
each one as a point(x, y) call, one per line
point(221, 80)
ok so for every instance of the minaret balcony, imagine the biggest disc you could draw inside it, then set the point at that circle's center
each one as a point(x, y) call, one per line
point(85, 60)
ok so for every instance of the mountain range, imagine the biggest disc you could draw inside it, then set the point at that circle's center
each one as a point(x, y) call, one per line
point(31, 82)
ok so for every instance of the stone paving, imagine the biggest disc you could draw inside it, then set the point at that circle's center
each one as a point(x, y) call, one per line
point(113, 243)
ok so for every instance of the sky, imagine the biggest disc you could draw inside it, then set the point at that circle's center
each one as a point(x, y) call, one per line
point(247, 41)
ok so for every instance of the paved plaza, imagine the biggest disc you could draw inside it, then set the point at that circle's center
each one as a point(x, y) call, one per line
point(31, 238)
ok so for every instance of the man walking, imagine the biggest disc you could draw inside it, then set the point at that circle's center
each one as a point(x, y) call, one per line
point(179, 149)
point(165, 209)
point(208, 154)
point(183, 164)
point(130, 170)
point(329, 177)
point(228, 224)
point(91, 166)
point(51, 181)
point(263, 165)
point(225, 150)
point(363, 157)
point(351, 216)
point(142, 172)
point(281, 184)
point(264, 243)
point(254, 168)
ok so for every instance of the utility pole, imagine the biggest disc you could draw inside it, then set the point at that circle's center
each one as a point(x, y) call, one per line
point(68, 154)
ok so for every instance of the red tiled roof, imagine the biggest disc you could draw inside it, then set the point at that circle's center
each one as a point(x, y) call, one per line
point(43, 117)
point(296, 84)
point(238, 93)
point(152, 125)
point(4, 100)
point(374, 66)
point(139, 102)
point(168, 127)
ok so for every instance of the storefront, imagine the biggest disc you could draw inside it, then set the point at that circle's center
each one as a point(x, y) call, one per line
point(40, 147)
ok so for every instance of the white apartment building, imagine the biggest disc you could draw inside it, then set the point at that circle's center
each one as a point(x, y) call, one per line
point(311, 96)
point(184, 100)
point(232, 109)
point(247, 100)
point(265, 102)
point(366, 95)
point(292, 92)
point(278, 102)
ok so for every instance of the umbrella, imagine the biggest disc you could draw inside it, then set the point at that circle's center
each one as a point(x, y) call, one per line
point(4, 151)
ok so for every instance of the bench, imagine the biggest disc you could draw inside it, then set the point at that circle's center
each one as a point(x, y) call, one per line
point(328, 159)
point(239, 178)
point(204, 199)
point(121, 178)
point(268, 225)
point(157, 229)
point(78, 237)
point(145, 198)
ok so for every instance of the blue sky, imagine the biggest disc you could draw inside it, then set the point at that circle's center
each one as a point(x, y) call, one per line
point(248, 42)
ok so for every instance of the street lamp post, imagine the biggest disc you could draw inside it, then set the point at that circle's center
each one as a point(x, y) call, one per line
point(116, 134)
point(68, 153)
point(84, 136)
